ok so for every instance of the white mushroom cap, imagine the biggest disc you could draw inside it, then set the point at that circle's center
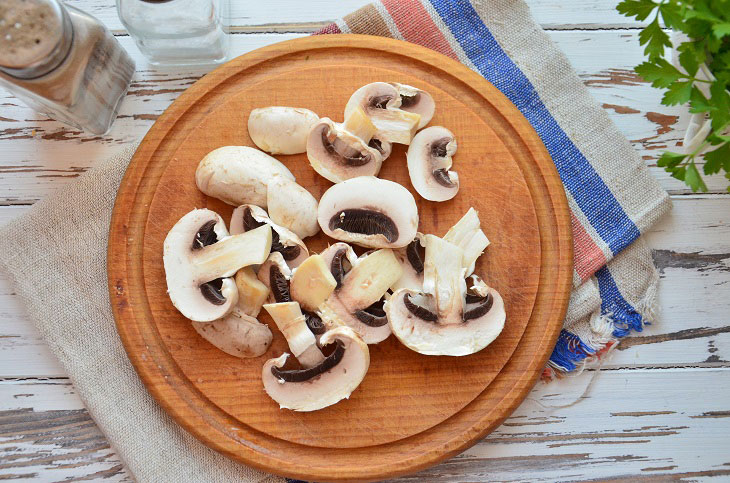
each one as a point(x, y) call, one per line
point(281, 130)
point(429, 163)
point(198, 254)
point(444, 319)
point(292, 207)
point(381, 102)
point(291, 247)
point(417, 101)
point(337, 154)
point(236, 334)
point(322, 385)
point(369, 212)
point(238, 175)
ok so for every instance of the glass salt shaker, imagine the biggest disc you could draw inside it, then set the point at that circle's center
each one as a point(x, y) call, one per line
point(178, 32)
point(62, 62)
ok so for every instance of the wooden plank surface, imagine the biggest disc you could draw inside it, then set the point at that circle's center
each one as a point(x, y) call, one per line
point(658, 411)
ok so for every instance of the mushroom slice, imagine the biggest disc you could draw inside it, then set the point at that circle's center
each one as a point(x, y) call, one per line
point(382, 104)
point(292, 323)
point(249, 217)
point(325, 384)
point(312, 283)
point(276, 274)
point(200, 258)
point(468, 235)
point(236, 334)
point(238, 175)
point(445, 319)
point(415, 100)
point(281, 130)
point(252, 293)
point(292, 207)
point(429, 163)
point(339, 152)
point(340, 258)
point(384, 147)
point(369, 212)
point(357, 302)
point(411, 260)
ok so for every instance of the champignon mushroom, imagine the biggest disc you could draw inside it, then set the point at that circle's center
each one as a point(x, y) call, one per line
point(429, 163)
point(281, 130)
point(312, 283)
point(292, 206)
point(276, 274)
point(415, 100)
point(443, 320)
point(325, 384)
point(468, 235)
point(236, 334)
point(339, 258)
point(238, 175)
point(200, 258)
point(252, 293)
point(292, 323)
point(384, 147)
point(249, 217)
point(382, 104)
point(357, 301)
point(410, 258)
point(342, 151)
point(369, 212)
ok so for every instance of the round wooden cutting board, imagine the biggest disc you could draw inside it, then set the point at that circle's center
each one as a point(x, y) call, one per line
point(411, 410)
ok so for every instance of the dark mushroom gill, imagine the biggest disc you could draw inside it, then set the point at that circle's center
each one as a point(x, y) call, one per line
point(377, 144)
point(279, 285)
point(289, 253)
point(420, 312)
point(339, 266)
point(337, 148)
point(303, 375)
point(481, 307)
point(442, 177)
point(365, 222)
point(314, 323)
point(413, 252)
point(409, 101)
point(205, 235)
point(438, 147)
point(374, 315)
point(213, 291)
point(379, 102)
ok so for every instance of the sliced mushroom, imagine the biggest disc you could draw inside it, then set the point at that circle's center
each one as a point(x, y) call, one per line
point(291, 247)
point(369, 212)
point(292, 207)
point(325, 384)
point(281, 130)
point(445, 319)
point(417, 101)
point(238, 175)
point(200, 258)
point(339, 258)
point(292, 323)
point(312, 283)
point(382, 104)
point(429, 164)
point(468, 235)
point(236, 334)
point(410, 258)
point(341, 151)
point(357, 302)
point(384, 147)
point(276, 274)
point(252, 293)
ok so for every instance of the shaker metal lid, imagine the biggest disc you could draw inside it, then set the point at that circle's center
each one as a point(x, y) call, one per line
point(35, 37)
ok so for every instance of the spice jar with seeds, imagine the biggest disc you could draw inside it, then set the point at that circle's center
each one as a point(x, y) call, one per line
point(62, 62)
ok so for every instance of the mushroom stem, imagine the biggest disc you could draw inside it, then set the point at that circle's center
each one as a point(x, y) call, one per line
point(224, 258)
point(468, 235)
point(370, 278)
point(359, 124)
point(312, 282)
point(293, 325)
point(443, 277)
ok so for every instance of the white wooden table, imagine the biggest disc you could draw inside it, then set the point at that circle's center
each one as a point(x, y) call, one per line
point(660, 408)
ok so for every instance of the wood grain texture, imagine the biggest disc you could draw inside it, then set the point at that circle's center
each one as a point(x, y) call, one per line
point(221, 401)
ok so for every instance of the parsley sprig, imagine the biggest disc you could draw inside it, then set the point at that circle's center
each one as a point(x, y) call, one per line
point(702, 82)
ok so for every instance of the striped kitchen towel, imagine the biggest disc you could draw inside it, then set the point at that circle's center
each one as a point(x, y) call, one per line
point(613, 199)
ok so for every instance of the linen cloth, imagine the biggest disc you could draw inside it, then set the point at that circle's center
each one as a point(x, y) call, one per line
point(56, 253)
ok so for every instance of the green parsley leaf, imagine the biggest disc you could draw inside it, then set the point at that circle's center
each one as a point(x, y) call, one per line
point(655, 40)
point(670, 159)
point(721, 29)
point(688, 60)
point(693, 179)
point(636, 8)
point(698, 102)
point(660, 73)
point(678, 93)
point(717, 159)
point(721, 101)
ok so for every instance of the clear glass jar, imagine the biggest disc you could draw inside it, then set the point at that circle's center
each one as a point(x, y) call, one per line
point(62, 62)
point(178, 32)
